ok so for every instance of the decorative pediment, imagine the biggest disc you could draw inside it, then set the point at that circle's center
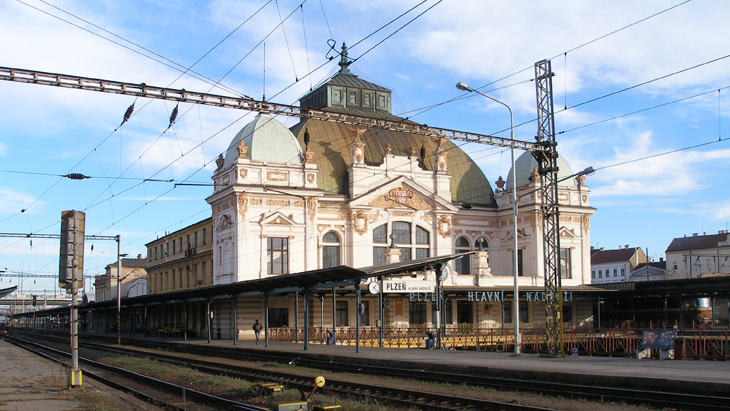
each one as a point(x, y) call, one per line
point(224, 221)
point(400, 197)
point(567, 233)
point(278, 218)
point(520, 234)
point(404, 194)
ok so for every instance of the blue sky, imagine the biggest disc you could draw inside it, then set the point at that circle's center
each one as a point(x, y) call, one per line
point(642, 203)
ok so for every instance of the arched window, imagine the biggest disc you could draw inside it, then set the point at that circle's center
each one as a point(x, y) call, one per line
point(423, 240)
point(380, 237)
point(463, 264)
point(481, 241)
point(404, 237)
point(330, 250)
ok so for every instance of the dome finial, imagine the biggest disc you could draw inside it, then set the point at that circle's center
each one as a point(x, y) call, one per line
point(344, 61)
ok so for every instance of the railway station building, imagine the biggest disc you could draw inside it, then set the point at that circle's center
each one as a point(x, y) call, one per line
point(324, 194)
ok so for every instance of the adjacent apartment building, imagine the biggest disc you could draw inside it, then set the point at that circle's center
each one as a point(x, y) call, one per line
point(699, 255)
point(613, 266)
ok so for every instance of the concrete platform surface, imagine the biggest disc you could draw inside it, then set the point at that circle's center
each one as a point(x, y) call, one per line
point(679, 375)
point(32, 383)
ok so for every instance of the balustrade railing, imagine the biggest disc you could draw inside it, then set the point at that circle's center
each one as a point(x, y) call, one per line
point(699, 343)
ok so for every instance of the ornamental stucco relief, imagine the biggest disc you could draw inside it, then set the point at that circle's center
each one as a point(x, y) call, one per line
point(444, 226)
point(360, 222)
point(400, 197)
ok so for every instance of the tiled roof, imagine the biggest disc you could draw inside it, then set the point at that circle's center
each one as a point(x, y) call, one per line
point(661, 265)
point(350, 80)
point(612, 256)
point(697, 242)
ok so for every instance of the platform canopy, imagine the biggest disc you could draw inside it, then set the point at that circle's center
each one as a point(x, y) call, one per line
point(321, 279)
point(6, 291)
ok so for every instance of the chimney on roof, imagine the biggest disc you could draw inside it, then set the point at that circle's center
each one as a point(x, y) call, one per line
point(601, 249)
point(593, 248)
point(685, 236)
point(627, 246)
point(661, 259)
point(694, 234)
point(139, 256)
point(704, 233)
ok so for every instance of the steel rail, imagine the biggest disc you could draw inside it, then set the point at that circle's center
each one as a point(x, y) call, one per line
point(588, 392)
point(400, 397)
point(173, 389)
point(242, 103)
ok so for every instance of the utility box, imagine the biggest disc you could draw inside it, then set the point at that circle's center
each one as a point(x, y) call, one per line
point(289, 406)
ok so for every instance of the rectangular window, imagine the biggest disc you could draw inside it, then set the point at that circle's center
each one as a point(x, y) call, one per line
point(195, 239)
point(341, 314)
point(173, 246)
point(593, 274)
point(204, 240)
point(277, 255)
point(464, 312)
point(709, 264)
point(615, 272)
point(204, 273)
point(365, 317)
point(524, 313)
point(181, 245)
point(188, 244)
point(379, 255)
point(330, 256)
point(405, 254)
point(447, 315)
point(401, 232)
point(565, 263)
point(278, 317)
point(567, 313)
point(600, 273)
point(623, 272)
point(422, 253)
point(520, 265)
point(462, 265)
point(417, 312)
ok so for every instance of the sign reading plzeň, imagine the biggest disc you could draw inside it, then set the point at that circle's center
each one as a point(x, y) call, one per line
point(416, 286)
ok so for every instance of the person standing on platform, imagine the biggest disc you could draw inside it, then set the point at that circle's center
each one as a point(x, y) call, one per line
point(257, 330)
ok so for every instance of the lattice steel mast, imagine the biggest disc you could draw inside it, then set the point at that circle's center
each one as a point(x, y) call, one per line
point(547, 160)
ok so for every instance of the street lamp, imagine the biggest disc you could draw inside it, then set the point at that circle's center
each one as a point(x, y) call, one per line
point(518, 339)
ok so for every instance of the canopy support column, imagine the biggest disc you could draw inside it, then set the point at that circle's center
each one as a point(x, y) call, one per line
point(266, 319)
point(234, 319)
point(306, 319)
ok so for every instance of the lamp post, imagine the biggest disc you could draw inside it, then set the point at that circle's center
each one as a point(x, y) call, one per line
point(119, 289)
point(516, 304)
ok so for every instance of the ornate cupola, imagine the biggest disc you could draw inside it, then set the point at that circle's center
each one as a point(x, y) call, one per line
point(345, 92)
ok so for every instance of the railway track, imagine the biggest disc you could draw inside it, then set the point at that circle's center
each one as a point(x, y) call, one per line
point(188, 395)
point(572, 391)
point(381, 394)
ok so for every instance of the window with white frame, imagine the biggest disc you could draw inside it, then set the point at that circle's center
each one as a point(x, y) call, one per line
point(565, 267)
point(410, 242)
point(330, 250)
point(277, 255)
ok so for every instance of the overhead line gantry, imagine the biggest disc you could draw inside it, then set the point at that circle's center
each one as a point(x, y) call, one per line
point(544, 149)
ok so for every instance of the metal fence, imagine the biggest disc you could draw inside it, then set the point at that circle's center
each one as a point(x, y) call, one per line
point(697, 343)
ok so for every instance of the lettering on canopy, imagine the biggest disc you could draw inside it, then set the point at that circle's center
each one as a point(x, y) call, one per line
point(408, 287)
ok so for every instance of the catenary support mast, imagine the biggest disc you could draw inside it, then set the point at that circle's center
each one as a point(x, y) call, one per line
point(547, 160)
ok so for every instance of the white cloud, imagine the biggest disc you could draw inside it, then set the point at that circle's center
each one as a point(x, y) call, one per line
point(14, 201)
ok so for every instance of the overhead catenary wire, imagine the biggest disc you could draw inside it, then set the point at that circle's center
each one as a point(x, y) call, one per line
point(170, 63)
point(129, 110)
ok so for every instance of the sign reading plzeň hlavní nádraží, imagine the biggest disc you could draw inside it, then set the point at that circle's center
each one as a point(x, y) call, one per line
point(487, 296)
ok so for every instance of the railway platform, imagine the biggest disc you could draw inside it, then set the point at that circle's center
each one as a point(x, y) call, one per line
point(671, 375)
